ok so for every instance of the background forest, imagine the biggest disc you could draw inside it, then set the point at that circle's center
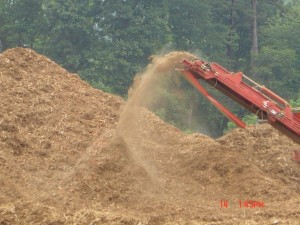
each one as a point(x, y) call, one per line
point(108, 42)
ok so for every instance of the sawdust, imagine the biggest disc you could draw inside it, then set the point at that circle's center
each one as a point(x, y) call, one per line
point(142, 94)
point(70, 154)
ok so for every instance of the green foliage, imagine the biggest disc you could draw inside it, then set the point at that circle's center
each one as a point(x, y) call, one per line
point(194, 30)
point(108, 42)
point(128, 33)
point(277, 63)
point(20, 22)
point(230, 126)
point(250, 119)
point(99, 85)
point(277, 69)
point(188, 131)
point(295, 103)
point(169, 101)
point(68, 38)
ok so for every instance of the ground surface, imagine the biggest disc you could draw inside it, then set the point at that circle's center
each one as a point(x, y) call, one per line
point(64, 159)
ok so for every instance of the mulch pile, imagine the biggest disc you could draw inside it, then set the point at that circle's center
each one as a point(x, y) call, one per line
point(63, 162)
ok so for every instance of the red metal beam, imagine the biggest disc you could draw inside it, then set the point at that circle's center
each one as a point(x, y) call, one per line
point(249, 94)
point(191, 78)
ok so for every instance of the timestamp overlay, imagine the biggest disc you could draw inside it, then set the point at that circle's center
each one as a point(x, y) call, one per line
point(248, 203)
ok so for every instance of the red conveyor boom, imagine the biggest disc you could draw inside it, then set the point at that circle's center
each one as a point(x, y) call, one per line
point(256, 98)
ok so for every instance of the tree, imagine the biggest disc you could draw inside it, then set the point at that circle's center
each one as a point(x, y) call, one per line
point(21, 22)
point(254, 48)
point(193, 28)
point(68, 37)
point(242, 20)
point(108, 42)
point(127, 32)
point(277, 63)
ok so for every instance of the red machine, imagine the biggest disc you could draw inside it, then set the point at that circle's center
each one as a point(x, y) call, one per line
point(256, 98)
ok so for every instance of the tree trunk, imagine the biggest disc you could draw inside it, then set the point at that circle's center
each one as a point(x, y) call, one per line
point(254, 48)
point(230, 36)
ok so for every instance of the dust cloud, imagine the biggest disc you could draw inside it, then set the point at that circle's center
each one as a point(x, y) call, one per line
point(141, 94)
